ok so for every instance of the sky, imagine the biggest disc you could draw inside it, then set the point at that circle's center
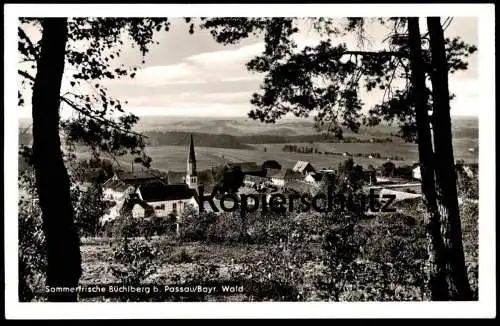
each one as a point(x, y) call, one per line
point(192, 75)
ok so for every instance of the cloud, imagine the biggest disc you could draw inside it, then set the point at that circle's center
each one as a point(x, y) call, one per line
point(215, 79)
point(198, 109)
point(207, 67)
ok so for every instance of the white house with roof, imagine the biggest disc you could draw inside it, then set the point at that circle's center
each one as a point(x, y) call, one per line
point(116, 189)
point(416, 172)
point(314, 178)
point(303, 167)
point(167, 199)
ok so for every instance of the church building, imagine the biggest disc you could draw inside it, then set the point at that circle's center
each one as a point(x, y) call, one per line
point(167, 199)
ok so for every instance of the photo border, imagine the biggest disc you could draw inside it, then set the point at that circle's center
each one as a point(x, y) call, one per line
point(484, 307)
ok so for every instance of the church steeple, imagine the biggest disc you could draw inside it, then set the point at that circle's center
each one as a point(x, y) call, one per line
point(192, 157)
point(191, 174)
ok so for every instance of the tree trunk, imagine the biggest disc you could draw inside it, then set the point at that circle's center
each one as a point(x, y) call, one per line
point(446, 183)
point(437, 281)
point(52, 182)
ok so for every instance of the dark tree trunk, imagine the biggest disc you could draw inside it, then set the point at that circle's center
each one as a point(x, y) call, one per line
point(52, 182)
point(446, 183)
point(437, 281)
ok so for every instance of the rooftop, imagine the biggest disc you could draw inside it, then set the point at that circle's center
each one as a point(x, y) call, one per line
point(245, 166)
point(288, 174)
point(300, 166)
point(141, 174)
point(154, 192)
point(298, 186)
point(116, 185)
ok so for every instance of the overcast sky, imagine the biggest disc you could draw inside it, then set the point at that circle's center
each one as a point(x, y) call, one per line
point(192, 75)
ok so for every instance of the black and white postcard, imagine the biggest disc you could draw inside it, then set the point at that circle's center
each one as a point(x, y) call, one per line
point(249, 160)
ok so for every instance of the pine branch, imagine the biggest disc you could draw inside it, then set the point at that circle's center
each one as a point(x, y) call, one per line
point(101, 120)
point(84, 112)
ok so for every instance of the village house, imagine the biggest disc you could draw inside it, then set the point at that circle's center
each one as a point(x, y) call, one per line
point(116, 189)
point(247, 168)
point(416, 172)
point(299, 187)
point(149, 193)
point(139, 177)
point(137, 208)
point(303, 167)
point(285, 176)
point(314, 178)
point(370, 175)
point(254, 181)
point(167, 199)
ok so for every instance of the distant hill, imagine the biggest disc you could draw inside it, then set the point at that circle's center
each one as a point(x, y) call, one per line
point(179, 138)
point(238, 132)
point(276, 139)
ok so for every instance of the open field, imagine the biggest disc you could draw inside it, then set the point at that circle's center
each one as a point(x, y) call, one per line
point(173, 158)
point(408, 151)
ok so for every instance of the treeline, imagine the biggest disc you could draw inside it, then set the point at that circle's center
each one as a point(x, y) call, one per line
point(321, 137)
point(299, 149)
point(179, 138)
point(311, 149)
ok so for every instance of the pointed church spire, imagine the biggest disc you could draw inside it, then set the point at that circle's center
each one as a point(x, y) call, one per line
point(191, 157)
point(191, 175)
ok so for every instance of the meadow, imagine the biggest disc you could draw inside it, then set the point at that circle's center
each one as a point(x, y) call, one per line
point(173, 158)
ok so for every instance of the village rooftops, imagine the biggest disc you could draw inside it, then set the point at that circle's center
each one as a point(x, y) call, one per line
point(161, 192)
point(272, 172)
point(255, 178)
point(303, 166)
point(175, 177)
point(299, 186)
point(317, 176)
point(129, 204)
point(287, 174)
point(245, 166)
point(139, 176)
point(116, 185)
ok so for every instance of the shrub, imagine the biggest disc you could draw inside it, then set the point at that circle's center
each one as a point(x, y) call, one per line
point(135, 258)
point(181, 257)
point(125, 227)
point(341, 245)
point(194, 227)
point(135, 227)
point(469, 214)
point(32, 252)
point(225, 228)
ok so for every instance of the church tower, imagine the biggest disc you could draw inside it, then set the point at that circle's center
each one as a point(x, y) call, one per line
point(191, 174)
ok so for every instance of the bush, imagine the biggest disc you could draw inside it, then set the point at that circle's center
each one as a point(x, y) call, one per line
point(194, 228)
point(469, 214)
point(125, 227)
point(181, 257)
point(226, 228)
point(135, 259)
point(32, 252)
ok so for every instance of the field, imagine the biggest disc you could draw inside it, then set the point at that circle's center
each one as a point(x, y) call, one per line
point(173, 158)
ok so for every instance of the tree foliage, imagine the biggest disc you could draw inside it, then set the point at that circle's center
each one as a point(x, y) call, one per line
point(326, 80)
point(93, 47)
